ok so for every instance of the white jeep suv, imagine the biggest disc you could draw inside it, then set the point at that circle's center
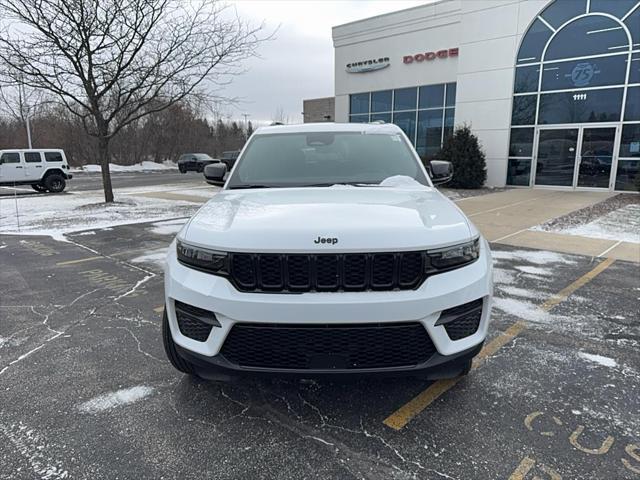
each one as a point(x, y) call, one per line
point(46, 170)
point(327, 252)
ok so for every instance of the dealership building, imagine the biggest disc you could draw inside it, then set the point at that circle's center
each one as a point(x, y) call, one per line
point(550, 87)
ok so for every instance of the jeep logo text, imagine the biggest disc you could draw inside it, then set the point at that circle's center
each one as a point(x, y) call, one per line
point(331, 240)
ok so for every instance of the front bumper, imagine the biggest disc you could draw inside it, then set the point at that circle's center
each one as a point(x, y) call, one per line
point(423, 305)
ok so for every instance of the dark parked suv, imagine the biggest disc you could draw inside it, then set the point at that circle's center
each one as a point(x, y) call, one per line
point(195, 162)
point(229, 158)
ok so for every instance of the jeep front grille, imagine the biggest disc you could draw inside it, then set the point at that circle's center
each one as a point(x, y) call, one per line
point(327, 347)
point(327, 272)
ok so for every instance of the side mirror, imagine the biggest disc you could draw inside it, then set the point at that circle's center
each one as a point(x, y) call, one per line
point(214, 173)
point(440, 171)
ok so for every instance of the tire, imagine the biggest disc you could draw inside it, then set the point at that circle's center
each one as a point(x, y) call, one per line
point(176, 360)
point(38, 187)
point(55, 183)
point(467, 368)
point(182, 170)
point(200, 168)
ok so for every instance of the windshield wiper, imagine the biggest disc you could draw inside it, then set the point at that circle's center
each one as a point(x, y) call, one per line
point(352, 184)
point(254, 185)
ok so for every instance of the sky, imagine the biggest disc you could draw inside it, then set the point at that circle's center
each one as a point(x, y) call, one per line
point(298, 63)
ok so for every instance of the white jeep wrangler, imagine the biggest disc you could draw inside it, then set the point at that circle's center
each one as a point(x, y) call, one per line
point(46, 170)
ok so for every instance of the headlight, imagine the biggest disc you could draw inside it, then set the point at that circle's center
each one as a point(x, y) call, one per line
point(201, 258)
point(452, 257)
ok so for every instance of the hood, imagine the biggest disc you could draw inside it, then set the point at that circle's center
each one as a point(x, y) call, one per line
point(322, 220)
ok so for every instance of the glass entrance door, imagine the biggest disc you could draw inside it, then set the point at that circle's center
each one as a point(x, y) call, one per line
point(596, 157)
point(556, 160)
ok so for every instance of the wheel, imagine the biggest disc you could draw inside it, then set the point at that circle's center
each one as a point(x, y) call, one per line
point(55, 183)
point(176, 360)
point(200, 168)
point(38, 188)
point(466, 368)
point(182, 170)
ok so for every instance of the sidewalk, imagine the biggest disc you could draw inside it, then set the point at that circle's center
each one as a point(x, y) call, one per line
point(506, 217)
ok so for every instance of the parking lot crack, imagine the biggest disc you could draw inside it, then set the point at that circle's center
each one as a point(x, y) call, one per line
point(139, 344)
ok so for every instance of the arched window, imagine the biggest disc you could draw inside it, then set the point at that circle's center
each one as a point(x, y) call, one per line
point(578, 64)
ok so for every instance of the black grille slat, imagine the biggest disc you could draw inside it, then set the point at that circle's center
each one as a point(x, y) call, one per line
point(298, 271)
point(326, 272)
point(355, 272)
point(243, 271)
point(305, 347)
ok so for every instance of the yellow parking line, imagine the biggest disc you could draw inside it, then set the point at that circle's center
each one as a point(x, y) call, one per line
point(159, 309)
point(562, 295)
point(398, 419)
point(81, 260)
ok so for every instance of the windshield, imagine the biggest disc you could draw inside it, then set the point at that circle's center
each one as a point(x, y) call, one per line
point(324, 159)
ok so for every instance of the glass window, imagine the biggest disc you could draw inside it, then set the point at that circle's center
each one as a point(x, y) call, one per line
point(53, 156)
point(560, 12)
point(581, 106)
point(521, 143)
point(633, 24)
point(533, 42)
point(359, 118)
point(524, 110)
point(432, 96)
point(289, 159)
point(449, 119)
point(429, 138)
point(451, 95)
point(585, 36)
point(527, 79)
point(407, 122)
point(630, 143)
point(385, 117)
point(359, 103)
point(632, 110)
point(32, 157)
point(405, 99)
point(10, 158)
point(628, 175)
point(592, 72)
point(519, 171)
point(617, 8)
point(634, 71)
point(381, 101)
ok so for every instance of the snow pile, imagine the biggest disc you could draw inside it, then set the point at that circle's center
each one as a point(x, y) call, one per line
point(115, 399)
point(599, 359)
point(621, 224)
point(144, 166)
point(63, 214)
point(402, 181)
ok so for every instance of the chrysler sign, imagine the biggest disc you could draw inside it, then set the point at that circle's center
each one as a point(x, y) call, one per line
point(368, 65)
point(428, 56)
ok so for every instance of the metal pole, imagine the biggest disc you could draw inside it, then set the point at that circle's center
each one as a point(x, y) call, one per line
point(28, 130)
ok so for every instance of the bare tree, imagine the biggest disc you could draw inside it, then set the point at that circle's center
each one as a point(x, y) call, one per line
point(21, 104)
point(112, 62)
point(280, 117)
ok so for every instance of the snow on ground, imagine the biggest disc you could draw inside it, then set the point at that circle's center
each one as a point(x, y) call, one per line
point(61, 214)
point(145, 166)
point(168, 227)
point(621, 224)
point(156, 256)
point(115, 399)
point(599, 359)
point(539, 257)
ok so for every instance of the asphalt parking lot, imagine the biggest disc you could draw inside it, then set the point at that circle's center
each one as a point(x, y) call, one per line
point(86, 391)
